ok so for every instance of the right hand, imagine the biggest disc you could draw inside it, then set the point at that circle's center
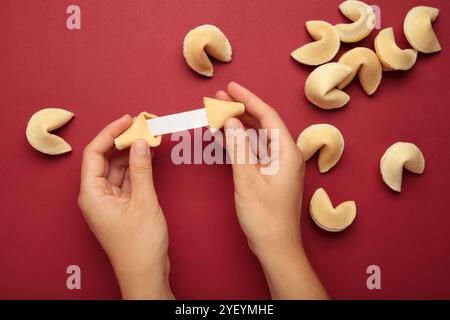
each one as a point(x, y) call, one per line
point(268, 206)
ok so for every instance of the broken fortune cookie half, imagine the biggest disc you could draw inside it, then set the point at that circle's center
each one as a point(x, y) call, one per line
point(138, 130)
point(217, 112)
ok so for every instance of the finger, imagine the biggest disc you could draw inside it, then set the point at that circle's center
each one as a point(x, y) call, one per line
point(222, 95)
point(94, 162)
point(243, 160)
point(216, 137)
point(126, 185)
point(104, 141)
point(249, 121)
point(246, 119)
point(141, 177)
point(117, 169)
point(252, 124)
point(265, 114)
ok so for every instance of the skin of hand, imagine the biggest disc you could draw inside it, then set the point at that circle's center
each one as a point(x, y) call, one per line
point(119, 202)
point(268, 206)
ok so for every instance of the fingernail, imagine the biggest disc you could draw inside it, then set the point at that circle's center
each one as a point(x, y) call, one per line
point(141, 147)
point(234, 83)
point(233, 123)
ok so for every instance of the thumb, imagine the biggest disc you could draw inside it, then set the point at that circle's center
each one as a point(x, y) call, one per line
point(242, 158)
point(141, 176)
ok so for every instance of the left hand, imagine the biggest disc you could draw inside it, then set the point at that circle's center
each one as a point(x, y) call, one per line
point(119, 202)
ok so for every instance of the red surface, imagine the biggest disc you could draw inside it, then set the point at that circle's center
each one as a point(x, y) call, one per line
point(127, 58)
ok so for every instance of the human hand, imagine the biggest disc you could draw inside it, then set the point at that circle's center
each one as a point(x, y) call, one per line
point(268, 205)
point(120, 205)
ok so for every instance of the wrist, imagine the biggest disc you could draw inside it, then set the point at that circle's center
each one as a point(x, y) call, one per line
point(273, 251)
point(290, 276)
point(144, 281)
point(146, 289)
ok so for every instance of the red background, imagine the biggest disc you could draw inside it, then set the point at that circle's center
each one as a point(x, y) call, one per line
point(128, 58)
